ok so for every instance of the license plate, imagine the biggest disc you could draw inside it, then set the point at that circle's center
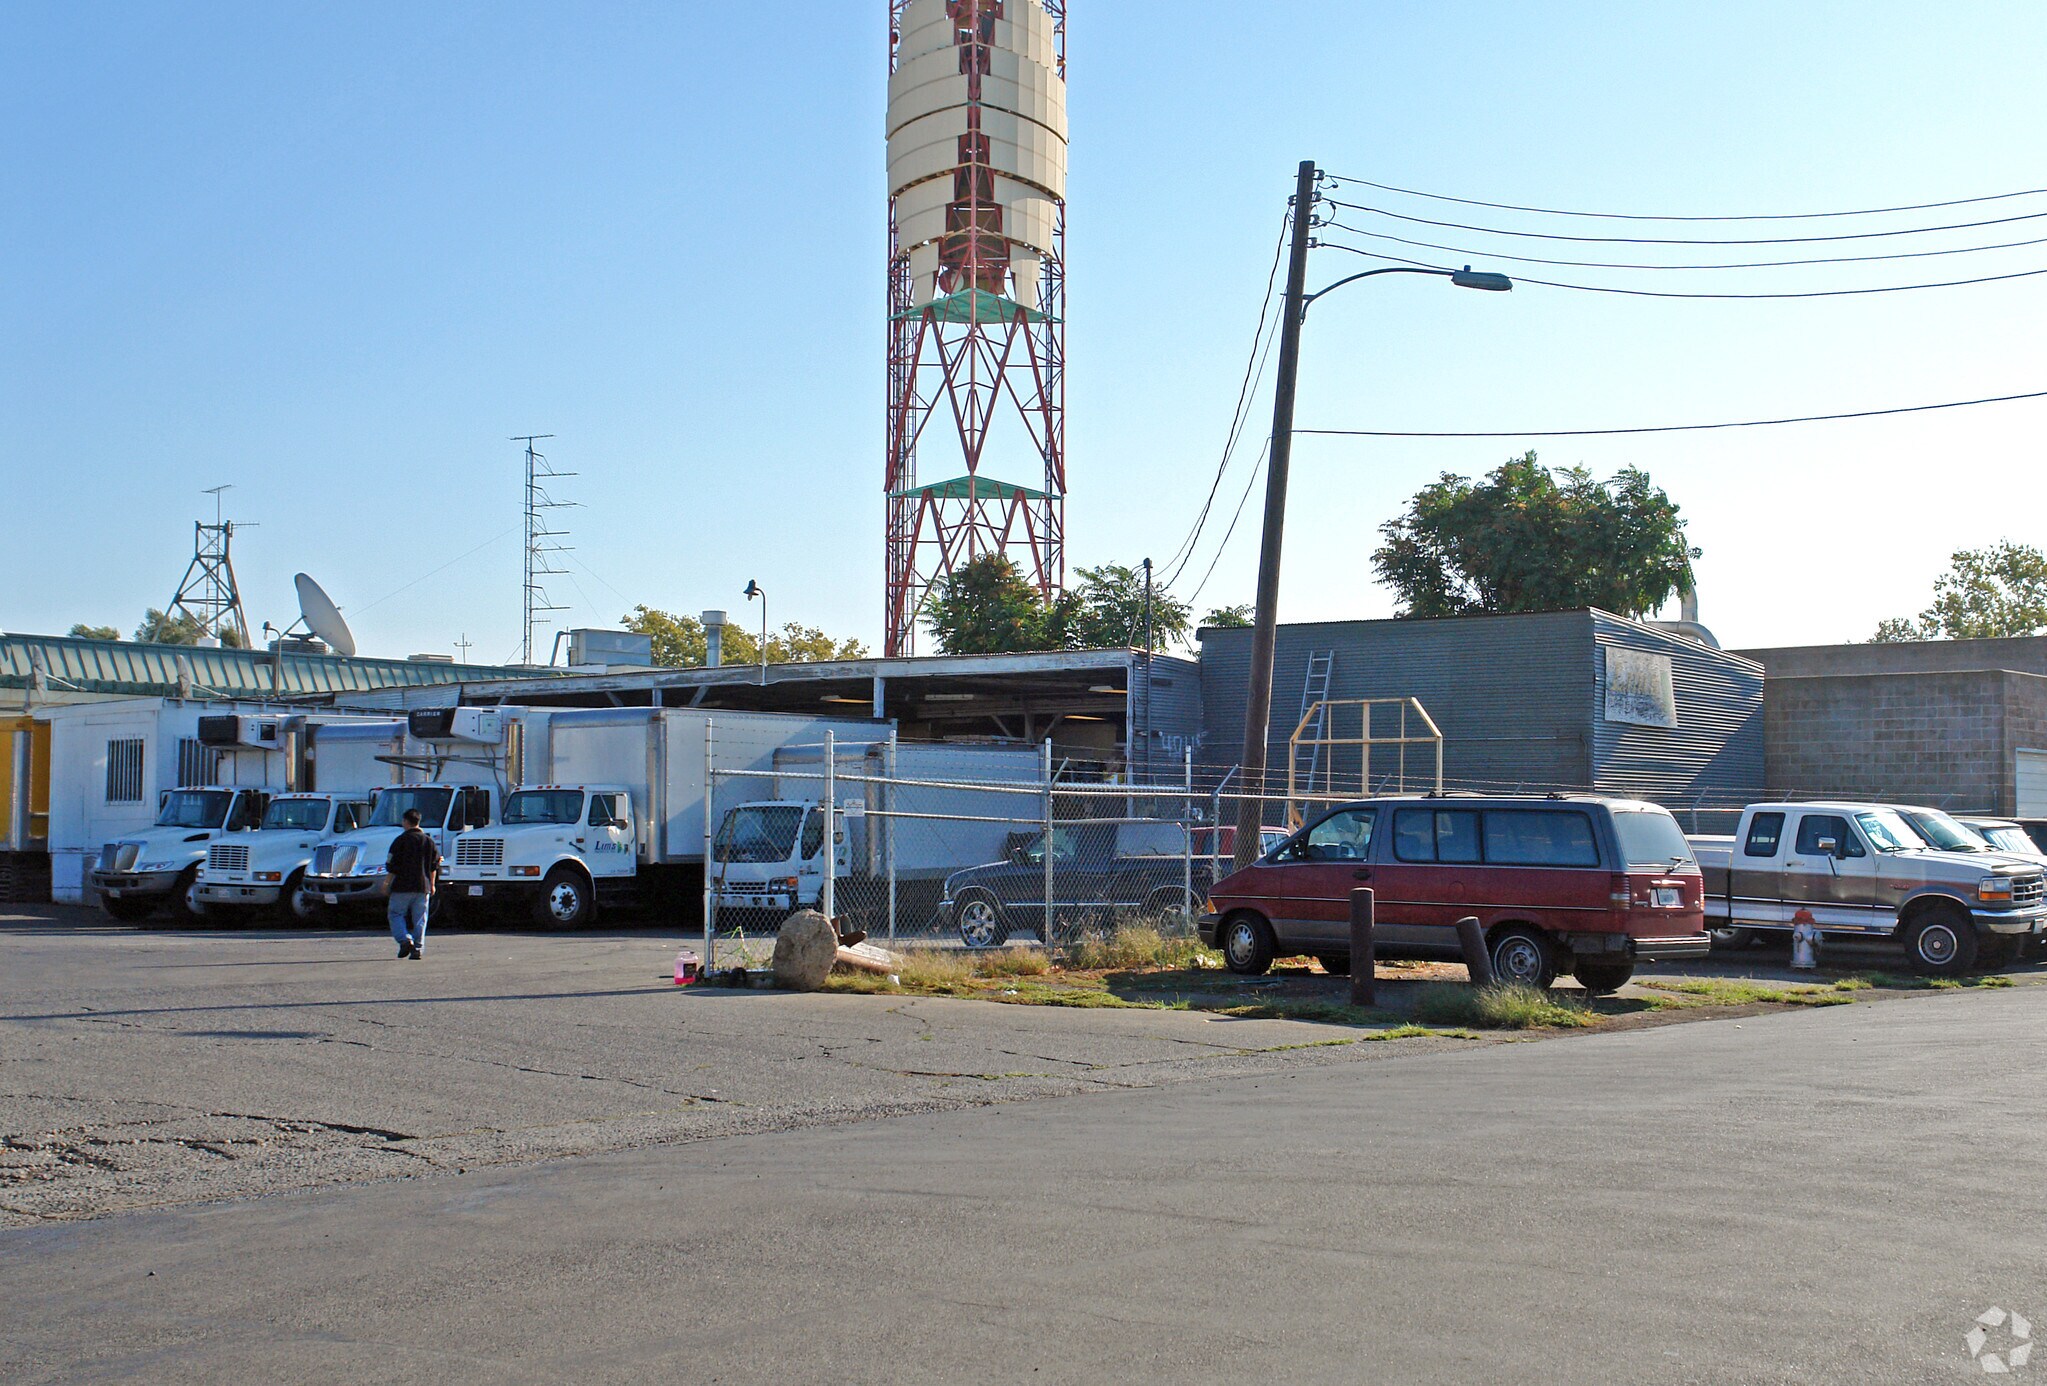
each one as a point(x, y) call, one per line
point(1669, 897)
point(112, 892)
point(331, 899)
point(476, 890)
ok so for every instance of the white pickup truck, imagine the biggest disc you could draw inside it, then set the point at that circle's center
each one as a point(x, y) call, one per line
point(267, 867)
point(1859, 870)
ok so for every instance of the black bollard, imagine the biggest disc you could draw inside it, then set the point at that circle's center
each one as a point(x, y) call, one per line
point(1363, 966)
point(1477, 961)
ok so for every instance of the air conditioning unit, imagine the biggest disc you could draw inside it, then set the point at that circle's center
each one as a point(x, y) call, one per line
point(480, 725)
point(263, 733)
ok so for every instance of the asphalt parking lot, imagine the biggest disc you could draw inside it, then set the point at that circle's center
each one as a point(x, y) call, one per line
point(287, 1155)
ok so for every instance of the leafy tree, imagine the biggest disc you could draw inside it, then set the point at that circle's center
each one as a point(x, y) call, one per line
point(181, 629)
point(680, 643)
point(82, 631)
point(1985, 593)
point(1242, 614)
point(1533, 538)
point(985, 606)
point(1111, 611)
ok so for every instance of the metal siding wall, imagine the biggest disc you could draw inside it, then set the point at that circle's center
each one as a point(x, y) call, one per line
point(1510, 693)
point(1172, 712)
point(1713, 757)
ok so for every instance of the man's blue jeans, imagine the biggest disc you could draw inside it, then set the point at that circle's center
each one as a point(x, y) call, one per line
point(408, 916)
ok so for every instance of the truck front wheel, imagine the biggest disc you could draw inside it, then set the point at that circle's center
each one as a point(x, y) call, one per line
point(188, 911)
point(1941, 941)
point(127, 911)
point(565, 900)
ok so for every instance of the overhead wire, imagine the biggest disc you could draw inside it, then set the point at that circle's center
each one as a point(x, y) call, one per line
point(1256, 471)
point(1664, 240)
point(1670, 428)
point(1641, 216)
point(1603, 264)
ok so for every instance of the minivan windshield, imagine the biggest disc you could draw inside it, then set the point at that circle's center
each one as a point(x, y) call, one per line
point(194, 808)
point(758, 832)
point(1651, 837)
point(302, 815)
point(432, 804)
point(544, 806)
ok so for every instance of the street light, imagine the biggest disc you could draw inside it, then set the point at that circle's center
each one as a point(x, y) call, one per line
point(754, 589)
point(1258, 703)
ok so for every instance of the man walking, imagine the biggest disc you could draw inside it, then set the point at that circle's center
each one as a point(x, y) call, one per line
point(414, 864)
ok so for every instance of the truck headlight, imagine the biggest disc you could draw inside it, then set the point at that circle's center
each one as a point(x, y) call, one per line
point(156, 866)
point(784, 883)
point(269, 875)
point(1994, 889)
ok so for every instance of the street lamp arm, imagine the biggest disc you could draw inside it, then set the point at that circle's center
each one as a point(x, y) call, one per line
point(1466, 278)
point(1367, 274)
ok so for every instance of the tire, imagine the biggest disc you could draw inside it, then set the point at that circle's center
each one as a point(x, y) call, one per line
point(1248, 945)
point(1941, 942)
point(294, 906)
point(566, 900)
point(1335, 964)
point(1524, 954)
point(1600, 978)
point(1171, 907)
point(188, 911)
point(127, 911)
point(1734, 939)
point(979, 920)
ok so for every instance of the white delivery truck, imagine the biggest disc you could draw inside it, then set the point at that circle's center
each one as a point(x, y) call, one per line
point(622, 813)
point(910, 833)
point(267, 867)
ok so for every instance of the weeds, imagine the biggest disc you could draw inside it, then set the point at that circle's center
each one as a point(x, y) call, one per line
point(1135, 945)
point(1502, 1006)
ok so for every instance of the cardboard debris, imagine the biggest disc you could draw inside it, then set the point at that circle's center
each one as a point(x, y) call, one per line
point(865, 957)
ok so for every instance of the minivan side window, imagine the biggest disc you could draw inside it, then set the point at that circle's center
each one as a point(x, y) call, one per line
point(1345, 835)
point(1815, 826)
point(1765, 831)
point(1440, 835)
point(1539, 837)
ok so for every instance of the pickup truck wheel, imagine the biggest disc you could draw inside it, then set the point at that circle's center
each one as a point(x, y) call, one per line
point(1335, 964)
point(1602, 977)
point(1524, 954)
point(565, 900)
point(1941, 942)
point(1998, 951)
point(188, 911)
point(1248, 945)
point(1734, 939)
point(127, 911)
point(981, 924)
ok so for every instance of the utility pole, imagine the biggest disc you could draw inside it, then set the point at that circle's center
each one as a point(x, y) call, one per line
point(540, 548)
point(1147, 671)
point(1258, 699)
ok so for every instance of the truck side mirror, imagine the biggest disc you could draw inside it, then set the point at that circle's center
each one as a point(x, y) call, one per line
point(1829, 847)
point(1019, 856)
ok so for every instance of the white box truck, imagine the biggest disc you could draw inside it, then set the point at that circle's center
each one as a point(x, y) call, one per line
point(894, 840)
point(621, 815)
point(267, 868)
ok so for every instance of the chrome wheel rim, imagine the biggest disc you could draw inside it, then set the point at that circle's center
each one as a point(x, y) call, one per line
point(564, 902)
point(1938, 945)
point(977, 924)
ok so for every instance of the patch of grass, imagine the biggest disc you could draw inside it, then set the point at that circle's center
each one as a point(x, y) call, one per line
point(1502, 1006)
point(1134, 944)
point(1413, 1031)
point(1992, 982)
point(1718, 991)
point(1853, 984)
point(1012, 962)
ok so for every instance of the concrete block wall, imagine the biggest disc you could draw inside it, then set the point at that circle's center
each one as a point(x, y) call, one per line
point(1925, 738)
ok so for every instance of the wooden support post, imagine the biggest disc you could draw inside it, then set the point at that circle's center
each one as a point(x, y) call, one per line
point(1477, 961)
point(1363, 966)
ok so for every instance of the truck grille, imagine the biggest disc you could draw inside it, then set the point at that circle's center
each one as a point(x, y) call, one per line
point(745, 888)
point(223, 856)
point(323, 861)
point(480, 851)
point(108, 855)
point(119, 856)
point(2028, 890)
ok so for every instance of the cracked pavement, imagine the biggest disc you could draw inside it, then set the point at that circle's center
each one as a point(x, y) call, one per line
point(152, 1068)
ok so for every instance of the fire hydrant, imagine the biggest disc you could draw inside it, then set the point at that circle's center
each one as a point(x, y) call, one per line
point(1805, 942)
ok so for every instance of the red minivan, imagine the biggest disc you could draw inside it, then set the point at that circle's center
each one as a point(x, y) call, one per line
point(1583, 884)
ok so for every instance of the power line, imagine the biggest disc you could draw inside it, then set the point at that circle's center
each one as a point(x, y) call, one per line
point(1637, 216)
point(1649, 240)
point(1601, 264)
point(1249, 482)
point(1675, 428)
point(1665, 293)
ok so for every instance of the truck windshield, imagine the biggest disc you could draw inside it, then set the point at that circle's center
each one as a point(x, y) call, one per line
point(301, 815)
point(194, 808)
point(2011, 839)
point(1887, 832)
point(544, 806)
point(1651, 839)
point(758, 832)
point(432, 804)
point(1946, 833)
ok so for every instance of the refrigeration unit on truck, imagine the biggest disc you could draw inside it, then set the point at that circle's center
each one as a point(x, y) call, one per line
point(227, 772)
point(621, 817)
point(928, 821)
point(267, 868)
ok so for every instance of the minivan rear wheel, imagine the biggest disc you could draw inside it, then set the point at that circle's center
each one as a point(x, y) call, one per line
point(1248, 945)
point(1524, 954)
point(1335, 964)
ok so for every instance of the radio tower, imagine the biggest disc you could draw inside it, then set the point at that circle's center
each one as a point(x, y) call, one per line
point(541, 547)
point(207, 593)
point(976, 451)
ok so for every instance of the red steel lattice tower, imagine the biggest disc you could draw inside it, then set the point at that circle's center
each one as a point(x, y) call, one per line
point(977, 295)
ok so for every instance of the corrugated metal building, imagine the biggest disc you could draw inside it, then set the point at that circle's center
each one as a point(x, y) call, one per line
point(1528, 702)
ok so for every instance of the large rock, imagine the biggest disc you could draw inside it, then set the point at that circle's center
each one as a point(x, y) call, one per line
point(805, 950)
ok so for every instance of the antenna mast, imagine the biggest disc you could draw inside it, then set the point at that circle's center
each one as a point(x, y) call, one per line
point(207, 593)
point(541, 545)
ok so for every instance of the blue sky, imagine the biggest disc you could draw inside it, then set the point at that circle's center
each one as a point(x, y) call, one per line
point(336, 254)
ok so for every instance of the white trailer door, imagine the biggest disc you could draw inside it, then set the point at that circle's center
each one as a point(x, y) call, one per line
point(2029, 777)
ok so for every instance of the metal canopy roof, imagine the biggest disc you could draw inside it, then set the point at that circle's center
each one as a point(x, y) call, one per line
point(970, 487)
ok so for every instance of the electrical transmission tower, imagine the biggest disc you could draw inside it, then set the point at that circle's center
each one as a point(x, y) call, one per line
point(207, 594)
point(542, 546)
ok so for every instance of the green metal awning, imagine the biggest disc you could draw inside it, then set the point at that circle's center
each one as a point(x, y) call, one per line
point(972, 305)
point(972, 488)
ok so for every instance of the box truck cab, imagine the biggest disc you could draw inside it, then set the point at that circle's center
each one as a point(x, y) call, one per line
point(555, 850)
point(268, 867)
point(350, 869)
point(768, 858)
point(161, 865)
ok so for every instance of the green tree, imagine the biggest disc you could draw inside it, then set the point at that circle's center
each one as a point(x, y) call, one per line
point(1533, 538)
point(1111, 612)
point(181, 629)
point(985, 606)
point(82, 631)
point(1984, 593)
point(680, 643)
point(1240, 615)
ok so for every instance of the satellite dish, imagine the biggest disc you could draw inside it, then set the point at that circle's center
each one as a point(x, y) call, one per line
point(322, 617)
